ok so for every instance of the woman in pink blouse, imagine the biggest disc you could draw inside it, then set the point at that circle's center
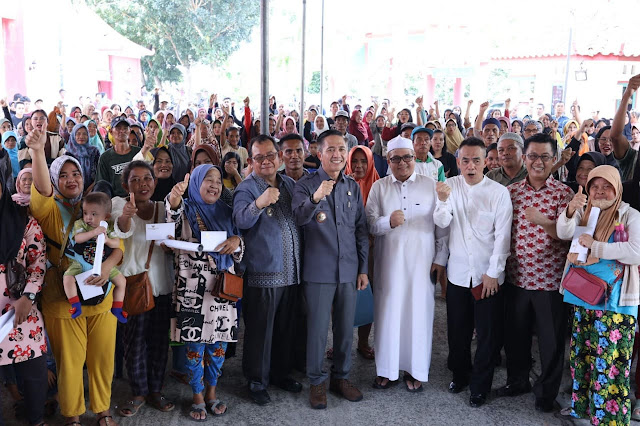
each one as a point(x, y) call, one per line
point(22, 268)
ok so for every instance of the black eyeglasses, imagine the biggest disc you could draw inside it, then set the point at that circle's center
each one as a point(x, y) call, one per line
point(534, 157)
point(406, 158)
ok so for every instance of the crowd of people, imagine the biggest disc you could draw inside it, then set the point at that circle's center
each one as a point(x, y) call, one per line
point(529, 225)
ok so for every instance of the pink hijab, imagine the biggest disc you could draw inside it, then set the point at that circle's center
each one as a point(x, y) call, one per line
point(21, 198)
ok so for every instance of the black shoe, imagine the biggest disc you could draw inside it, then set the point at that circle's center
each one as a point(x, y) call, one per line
point(289, 385)
point(546, 406)
point(514, 389)
point(260, 397)
point(477, 400)
point(456, 387)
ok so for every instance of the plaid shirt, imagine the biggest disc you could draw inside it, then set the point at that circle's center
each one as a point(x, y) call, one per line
point(537, 260)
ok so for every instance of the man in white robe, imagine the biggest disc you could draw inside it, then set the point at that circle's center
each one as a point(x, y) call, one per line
point(408, 248)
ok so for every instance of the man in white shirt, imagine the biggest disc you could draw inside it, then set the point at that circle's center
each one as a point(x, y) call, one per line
point(479, 214)
point(408, 248)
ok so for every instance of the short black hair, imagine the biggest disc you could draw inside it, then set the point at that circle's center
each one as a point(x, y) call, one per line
point(472, 141)
point(134, 165)
point(541, 138)
point(261, 138)
point(492, 147)
point(290, 137)
point(324, 135)
point(98, 198)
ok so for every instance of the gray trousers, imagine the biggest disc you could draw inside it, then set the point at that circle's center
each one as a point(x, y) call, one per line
point(321, 298)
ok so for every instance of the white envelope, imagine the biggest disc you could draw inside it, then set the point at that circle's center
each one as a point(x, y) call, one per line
point(160, 231)
point(212, 239)
point(88, 291)
point(6, 323)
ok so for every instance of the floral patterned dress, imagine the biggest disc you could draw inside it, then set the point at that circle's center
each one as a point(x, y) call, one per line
point(601, 350)
point(26, 341)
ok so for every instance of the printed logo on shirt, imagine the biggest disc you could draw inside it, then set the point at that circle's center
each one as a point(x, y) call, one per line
point(118, 168)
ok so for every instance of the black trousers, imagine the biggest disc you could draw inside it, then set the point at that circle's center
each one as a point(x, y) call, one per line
point(299, 346)
point(463, 312)
point(544, 310)
point(268, 317)
point(34, 378)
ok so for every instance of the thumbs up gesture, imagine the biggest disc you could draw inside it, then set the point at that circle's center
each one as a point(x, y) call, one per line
point(130, 208)
point(178, 190)
point(36, 139)
point(577, 203)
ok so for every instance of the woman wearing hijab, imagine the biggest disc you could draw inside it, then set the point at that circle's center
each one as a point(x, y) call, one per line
point(321, 125)
point(162, 169)
point(505, 125)
point(22, 197)
point(359, 129)
point(55, 204)
point(94, 136)
point(86, 154)
point(145, 340)
point(22, 249)
point(586, 162)
point(603, 145)
point(10, 144)
point(65, 131)
point(603, 333)
point(453, 136)
point(289, 125)
point(203, 210)
point(180, 153)
point(360, 166)
point(143, 117)
point(155, 126)
point(516, 126)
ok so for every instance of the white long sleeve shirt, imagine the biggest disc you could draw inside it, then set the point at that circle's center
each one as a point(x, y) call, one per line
point(479, 217)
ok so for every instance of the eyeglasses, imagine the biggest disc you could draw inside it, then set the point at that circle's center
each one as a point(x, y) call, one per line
point(531, 130)
point(406, 158)
point(607, 140)
point(534, 157)
point(270, 156)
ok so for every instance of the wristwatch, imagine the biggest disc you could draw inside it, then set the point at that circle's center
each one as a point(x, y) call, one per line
point(30, 296)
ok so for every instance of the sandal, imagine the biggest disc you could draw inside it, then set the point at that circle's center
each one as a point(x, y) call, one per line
point(107, 420)
point(200, 409)
point(635, 413)
point(409, 378)
point(378, 384)
point(132, 406)
point(367, 353)
point(159, 402)
point(215, 403)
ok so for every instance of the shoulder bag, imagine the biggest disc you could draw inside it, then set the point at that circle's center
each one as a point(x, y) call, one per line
point(139, 292)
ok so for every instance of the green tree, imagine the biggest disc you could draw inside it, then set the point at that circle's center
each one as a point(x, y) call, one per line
point(181, 32)
point(314, 85)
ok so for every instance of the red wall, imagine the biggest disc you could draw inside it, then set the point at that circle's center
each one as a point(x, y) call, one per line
point(13, 34)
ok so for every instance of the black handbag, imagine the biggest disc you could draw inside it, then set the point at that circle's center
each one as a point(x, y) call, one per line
point(16, 278)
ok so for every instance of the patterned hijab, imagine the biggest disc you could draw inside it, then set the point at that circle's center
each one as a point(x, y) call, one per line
point(85, 153)
point(216, 216)
point(54, 172)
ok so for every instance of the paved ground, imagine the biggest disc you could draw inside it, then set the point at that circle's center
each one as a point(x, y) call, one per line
point(434, 406)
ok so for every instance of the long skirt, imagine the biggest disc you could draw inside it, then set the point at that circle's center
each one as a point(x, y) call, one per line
point(600, 361)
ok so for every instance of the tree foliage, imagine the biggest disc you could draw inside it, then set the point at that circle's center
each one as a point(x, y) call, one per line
point(181, 32)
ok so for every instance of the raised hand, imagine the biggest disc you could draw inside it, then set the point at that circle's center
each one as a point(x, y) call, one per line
point(268, 197)
point(443, 190)
point(323, 190)
point(419, 100)
point(396, 219)
point(36, 139)
point(3, 102)
point(469, 102)
point(181, 187)
point(634, 83)
point(130, 208)
point(483, 107)
point(246, 101)
point(577, 203)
